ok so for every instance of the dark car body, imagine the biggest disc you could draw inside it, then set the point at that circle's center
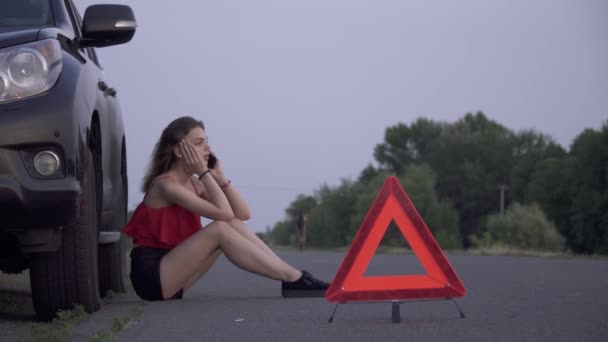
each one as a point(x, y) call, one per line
point(79, 120)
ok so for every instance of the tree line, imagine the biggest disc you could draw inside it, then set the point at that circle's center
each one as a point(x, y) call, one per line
point(475, 183)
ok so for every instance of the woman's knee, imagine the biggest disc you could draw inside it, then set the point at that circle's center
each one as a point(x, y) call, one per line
point(219, 228)
point(236, 223)
point(216, 225)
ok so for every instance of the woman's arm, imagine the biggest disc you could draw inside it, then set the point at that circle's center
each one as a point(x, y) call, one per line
point(236, 200)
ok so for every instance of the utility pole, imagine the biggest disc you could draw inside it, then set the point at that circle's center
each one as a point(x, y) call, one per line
point(502, 188)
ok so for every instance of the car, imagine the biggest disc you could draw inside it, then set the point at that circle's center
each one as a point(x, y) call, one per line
point(63, 161)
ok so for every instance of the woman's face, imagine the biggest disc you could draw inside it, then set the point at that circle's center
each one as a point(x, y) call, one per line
point(199, 140)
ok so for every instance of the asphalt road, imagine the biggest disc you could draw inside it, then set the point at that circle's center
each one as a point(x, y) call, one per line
point(508, 299)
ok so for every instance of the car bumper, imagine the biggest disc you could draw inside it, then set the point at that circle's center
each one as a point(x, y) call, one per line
point(27, 202)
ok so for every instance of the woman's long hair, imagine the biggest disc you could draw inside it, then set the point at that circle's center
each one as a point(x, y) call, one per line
point(162, 156)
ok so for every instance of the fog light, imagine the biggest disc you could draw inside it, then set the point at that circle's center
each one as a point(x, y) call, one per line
point(46, 162)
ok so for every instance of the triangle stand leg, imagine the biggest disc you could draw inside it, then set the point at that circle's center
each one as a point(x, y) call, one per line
point(458, 307)
point(396, 313)
point(331, 319)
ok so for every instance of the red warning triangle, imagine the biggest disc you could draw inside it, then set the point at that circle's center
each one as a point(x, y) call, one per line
point(440, 280)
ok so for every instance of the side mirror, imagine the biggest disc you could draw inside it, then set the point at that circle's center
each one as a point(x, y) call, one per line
point(106, 25)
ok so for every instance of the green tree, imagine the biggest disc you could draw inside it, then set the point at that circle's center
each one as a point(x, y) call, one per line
point(589, 210)
point(282, 233)
point(552, 185)
point(404, 145)
point(573, 191)
point(368, 174)
point(472, 158)
point(530, 147)
point(329, 222)
point(302, 205)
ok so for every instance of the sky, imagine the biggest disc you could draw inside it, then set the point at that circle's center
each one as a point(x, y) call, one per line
point(296, 94)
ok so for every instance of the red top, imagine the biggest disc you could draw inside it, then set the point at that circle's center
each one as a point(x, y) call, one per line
point(164, 227)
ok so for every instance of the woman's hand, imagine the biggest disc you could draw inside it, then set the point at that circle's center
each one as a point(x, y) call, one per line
point(218, 172)
point(237, 203)
point(193, 162)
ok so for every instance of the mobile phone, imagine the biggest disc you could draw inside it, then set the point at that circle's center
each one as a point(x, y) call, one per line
point(211, 162)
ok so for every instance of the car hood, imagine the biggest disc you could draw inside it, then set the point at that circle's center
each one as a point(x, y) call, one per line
point(10, 36)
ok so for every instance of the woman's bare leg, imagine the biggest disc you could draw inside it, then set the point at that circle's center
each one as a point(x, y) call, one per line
point(204, 268)
point(242, 228)
point(179, 265)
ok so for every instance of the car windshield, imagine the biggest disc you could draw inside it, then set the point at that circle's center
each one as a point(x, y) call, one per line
point(25, 13)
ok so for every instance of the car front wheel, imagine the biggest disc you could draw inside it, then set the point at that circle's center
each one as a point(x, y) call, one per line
point(69, 276)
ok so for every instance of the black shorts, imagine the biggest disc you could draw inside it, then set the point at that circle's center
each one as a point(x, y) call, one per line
point(145, 273)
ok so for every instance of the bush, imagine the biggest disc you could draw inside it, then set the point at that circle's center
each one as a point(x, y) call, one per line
point(448, 240)
point(523, 227)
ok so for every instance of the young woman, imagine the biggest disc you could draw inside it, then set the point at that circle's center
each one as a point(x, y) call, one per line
point(171, 248)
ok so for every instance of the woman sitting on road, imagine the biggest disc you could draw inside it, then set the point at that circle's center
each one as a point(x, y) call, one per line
point(171, 248)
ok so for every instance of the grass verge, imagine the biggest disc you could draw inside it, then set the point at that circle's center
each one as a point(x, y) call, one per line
point(119, 324)
point(60, 328)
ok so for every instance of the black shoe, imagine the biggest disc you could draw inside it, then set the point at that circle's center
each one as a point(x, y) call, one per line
point(306, 286)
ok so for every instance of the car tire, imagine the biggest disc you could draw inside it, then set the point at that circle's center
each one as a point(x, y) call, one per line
point(61, 279)
point(112, 263)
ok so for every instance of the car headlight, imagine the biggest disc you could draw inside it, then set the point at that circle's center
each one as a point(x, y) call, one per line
point(29, 69)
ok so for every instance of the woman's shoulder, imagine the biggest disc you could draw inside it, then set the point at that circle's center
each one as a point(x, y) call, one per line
point(160, 185)
point(168, 189)
point(163, 178)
